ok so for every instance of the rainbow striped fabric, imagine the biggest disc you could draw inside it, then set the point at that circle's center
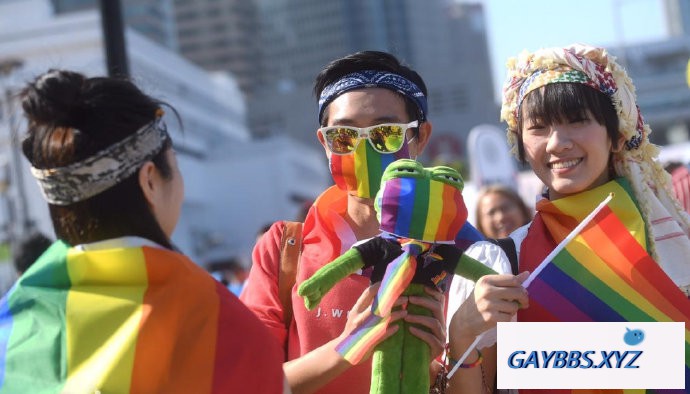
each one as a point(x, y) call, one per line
point(115, 320)
point(407, 209)
point(361, 171)
point(398, 276)
point(355, 346)
point(605, 273)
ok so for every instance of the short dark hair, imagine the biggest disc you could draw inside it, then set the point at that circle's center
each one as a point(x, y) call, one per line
point(28, 249)
point(368, 60)
point(71, 117)
point(564, 101)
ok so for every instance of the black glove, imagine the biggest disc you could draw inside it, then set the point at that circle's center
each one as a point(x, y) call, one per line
point(435, 267)
point(450, 254)
point(378, 252)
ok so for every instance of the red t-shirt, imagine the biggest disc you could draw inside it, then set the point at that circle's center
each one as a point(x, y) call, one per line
point(326, 236)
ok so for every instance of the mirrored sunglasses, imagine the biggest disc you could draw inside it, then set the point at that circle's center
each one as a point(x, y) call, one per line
point(384, 138)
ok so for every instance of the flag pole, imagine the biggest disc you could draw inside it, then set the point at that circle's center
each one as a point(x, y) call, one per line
point(567, 239)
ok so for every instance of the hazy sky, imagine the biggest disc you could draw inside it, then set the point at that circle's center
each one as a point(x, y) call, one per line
point(514, 25)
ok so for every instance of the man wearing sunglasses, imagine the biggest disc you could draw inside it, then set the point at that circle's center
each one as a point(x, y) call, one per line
point(372, 111)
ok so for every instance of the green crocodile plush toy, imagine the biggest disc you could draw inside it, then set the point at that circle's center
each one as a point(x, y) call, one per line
point(420, 211)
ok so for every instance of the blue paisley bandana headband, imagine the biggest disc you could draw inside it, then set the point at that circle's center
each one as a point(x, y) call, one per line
point(105, 169)
point(374, 79)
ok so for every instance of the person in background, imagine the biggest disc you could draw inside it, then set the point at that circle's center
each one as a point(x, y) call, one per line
point(500, 210)
point(230, 272)
point(29, 248)
point(360, 95)
point(262, 230)
point(680, 180)
point(572, 116)
point(119, 309)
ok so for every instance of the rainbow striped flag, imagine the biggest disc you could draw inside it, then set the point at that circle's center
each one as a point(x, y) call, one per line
point(605, 274)
point(422, 209)
point(118, 320)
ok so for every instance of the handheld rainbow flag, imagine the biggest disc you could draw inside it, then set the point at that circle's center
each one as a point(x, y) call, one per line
point(118, 320)
point(602, 273)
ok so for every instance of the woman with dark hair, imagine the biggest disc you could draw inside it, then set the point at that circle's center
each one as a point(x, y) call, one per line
point(111, 306)
point(572, 116)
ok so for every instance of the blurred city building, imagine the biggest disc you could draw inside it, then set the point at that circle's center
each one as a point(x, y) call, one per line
point(444, 41)
point(659, 72)
point(221, 36)
point(275, 48)
point(154, 19)
point(285, 43)
point(233, 184)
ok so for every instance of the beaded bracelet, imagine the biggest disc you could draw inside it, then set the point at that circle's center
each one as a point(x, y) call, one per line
point(452, 362)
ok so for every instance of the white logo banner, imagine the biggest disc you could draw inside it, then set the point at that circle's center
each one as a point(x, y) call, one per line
point(591, 355)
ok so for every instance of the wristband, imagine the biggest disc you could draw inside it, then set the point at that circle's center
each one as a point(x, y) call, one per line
point(452, 362)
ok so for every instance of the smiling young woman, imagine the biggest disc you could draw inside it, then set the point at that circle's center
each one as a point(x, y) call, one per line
point(572, 115)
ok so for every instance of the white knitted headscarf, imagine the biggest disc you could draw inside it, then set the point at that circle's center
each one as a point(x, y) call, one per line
point(668, 224)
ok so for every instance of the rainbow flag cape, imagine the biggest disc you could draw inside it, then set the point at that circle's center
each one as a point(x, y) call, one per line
point(116, 320)
point(604, 274)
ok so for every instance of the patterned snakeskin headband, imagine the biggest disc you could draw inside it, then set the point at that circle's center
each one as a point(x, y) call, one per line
point(374, 79)
point(105, 169)
point(580, 64)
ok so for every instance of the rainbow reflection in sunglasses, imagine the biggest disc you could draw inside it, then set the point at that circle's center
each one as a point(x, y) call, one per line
point(384, 138)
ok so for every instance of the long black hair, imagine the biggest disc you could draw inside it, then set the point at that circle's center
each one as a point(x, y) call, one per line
point(71, 117)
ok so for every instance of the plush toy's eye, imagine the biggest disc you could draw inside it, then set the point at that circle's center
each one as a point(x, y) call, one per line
point(452, 178)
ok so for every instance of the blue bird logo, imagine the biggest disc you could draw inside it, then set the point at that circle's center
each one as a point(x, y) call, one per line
point(633, 337)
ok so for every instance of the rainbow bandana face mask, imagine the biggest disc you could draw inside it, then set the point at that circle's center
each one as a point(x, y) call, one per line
point(421, 203)
point(360, 172)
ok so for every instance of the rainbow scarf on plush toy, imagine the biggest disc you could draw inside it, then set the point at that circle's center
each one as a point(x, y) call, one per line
point(114, 320)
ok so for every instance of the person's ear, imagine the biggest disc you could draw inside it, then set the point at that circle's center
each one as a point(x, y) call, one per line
point(319, 135)
point(147, 181)
point(422, 138)
point(620, 145)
